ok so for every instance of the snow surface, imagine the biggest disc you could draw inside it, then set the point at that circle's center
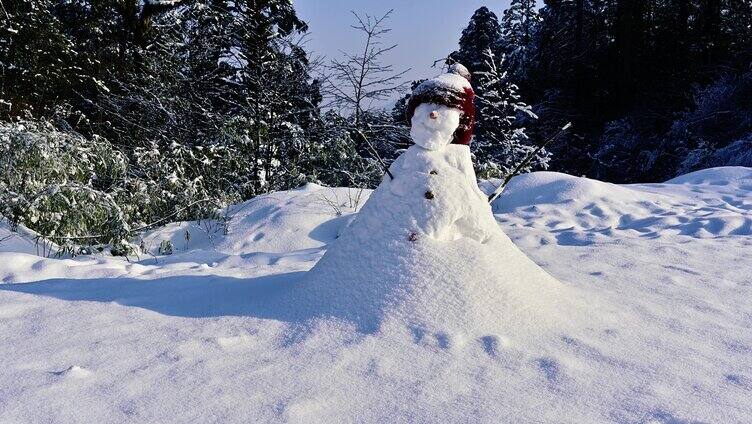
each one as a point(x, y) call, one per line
point(461, 70)
point(21, 240)
point(204, 335)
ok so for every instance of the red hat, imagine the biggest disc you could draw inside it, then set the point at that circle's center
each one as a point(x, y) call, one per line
point(452, 89)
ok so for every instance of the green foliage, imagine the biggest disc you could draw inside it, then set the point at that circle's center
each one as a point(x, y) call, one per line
point(336, 158)
point(76, 191)
point(65, 187)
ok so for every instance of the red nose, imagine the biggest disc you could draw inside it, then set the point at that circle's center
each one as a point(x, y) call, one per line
point(434, 115)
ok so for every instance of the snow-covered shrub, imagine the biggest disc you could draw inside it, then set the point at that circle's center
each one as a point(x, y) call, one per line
point(723, 110)
point(65, 187)
point(77, 191)
point(178, 182)
point(623, 152)
point(165, 247)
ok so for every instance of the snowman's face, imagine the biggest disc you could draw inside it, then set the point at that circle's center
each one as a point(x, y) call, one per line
point(433, 125)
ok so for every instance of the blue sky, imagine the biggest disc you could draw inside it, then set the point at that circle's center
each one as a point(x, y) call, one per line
point(425, 30)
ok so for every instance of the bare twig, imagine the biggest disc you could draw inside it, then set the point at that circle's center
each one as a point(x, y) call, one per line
point(163, 219)
point(356, 80)
point(375, 153)
point(7, 16)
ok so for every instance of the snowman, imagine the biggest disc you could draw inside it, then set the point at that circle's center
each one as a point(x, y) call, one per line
point(425, 253)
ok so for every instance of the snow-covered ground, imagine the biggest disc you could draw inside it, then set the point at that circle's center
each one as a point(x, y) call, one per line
point(206, 334)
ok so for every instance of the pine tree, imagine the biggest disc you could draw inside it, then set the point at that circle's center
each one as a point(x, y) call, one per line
point(482, 33)
point(500, 141)
point(38, 60)
point(267, 74)
point(504, 145)
point(209, 102)
point(518, 26)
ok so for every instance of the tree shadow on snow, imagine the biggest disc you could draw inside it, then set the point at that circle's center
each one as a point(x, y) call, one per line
point(329, 230)
point(267, 297)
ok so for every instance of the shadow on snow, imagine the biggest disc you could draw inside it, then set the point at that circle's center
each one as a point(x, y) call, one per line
point(266, 297)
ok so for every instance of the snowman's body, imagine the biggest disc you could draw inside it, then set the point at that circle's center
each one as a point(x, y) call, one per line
point(426, 252)
point(452, 206)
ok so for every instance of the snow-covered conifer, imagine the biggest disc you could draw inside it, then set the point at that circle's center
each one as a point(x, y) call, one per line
point(518, 26)
point(503, 145)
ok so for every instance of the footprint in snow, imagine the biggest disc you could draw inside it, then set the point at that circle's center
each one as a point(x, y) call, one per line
point(74, 371)
point(739, 381)
point(443, 340)
point(424, 338)
point(490, 345)
point(549, 368)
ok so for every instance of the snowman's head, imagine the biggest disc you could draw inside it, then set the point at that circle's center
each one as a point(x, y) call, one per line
point(433, 126)
point(441, 110)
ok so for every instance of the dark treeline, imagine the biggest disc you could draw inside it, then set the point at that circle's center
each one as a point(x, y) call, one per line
point(654, 88)
point(118, 115)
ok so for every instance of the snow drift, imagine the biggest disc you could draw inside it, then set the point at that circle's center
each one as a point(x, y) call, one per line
point(211, 332)
point(580, 211)
point(426, 252)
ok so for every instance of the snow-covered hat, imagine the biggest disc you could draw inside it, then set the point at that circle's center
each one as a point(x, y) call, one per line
point(452, 89)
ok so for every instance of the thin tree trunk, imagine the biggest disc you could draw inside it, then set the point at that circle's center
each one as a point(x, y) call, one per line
point(711, 30)
point(625, 40)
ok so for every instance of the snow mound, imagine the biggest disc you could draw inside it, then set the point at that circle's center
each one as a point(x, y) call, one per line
point(580, 211)
point(556, 188)
point(279, 222)
point(21, 240)
point(721, 176)
point(425, 252)
point(289, 228)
